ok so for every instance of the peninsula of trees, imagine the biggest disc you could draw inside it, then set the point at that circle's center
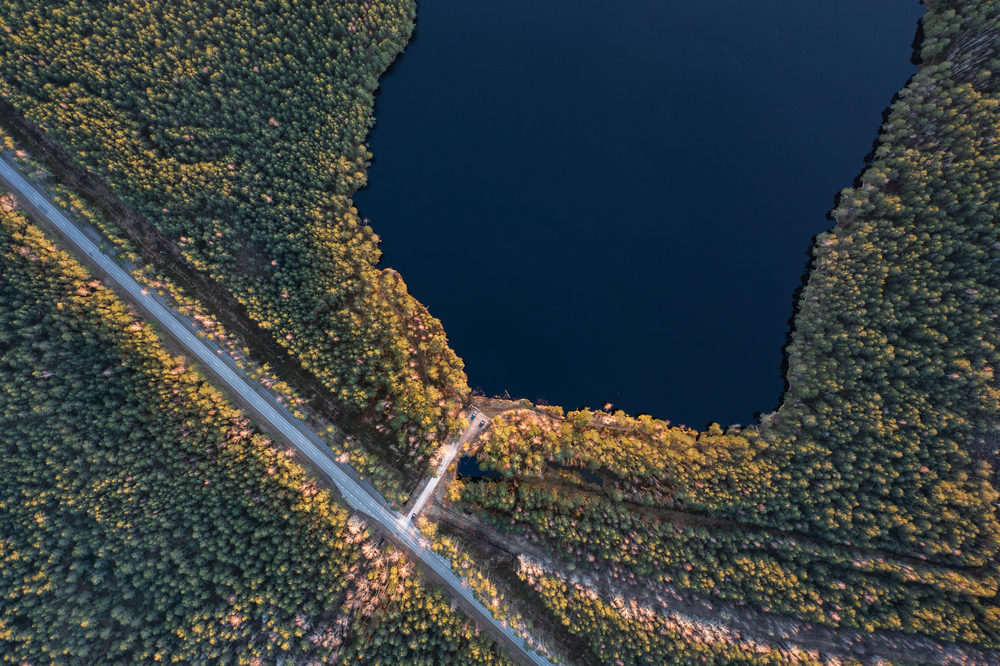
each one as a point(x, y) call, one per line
point(238, 130)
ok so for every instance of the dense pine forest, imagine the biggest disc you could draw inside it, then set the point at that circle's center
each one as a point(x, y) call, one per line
point(143, 518)
point(622, 633)
point(238, 129)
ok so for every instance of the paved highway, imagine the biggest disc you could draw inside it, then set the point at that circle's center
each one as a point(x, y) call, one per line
point(292, 429)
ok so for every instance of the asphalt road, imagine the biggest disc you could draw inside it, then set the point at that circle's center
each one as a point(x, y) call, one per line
point(292, 429)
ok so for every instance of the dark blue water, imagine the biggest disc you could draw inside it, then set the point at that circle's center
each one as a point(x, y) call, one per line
point(612, 201)
point(468, 467)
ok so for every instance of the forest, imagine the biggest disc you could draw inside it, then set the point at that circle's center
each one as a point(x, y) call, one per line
point(143, 518)
point(238, 129)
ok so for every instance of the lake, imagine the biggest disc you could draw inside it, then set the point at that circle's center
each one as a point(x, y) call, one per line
point(613, 201)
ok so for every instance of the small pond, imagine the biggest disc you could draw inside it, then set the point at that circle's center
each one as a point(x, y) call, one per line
point(468, 468)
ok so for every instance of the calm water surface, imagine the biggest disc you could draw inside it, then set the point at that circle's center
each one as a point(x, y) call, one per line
point(612, 201)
